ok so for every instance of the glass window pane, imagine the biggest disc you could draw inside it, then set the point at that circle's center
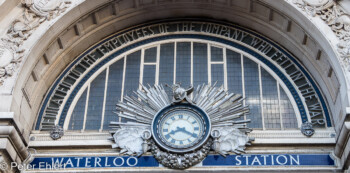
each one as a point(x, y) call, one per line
point(149, 73)
point(200, 64)
point(77, 117)
point(234, 71)
point(288, 114)
point(270, 101)
point(217, 74)
point(216, 54)
point(183, 64)
point(271, 108)
point(166, 67)
point(132, 73)
point(114, 88)
point(96, 95)
point(151, 55)
point(252, 92)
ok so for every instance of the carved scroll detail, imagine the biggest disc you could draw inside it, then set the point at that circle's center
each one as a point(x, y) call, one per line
point(330, 12)
point(35, 12)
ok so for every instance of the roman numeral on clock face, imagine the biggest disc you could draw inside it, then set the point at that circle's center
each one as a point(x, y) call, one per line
point(181, 129)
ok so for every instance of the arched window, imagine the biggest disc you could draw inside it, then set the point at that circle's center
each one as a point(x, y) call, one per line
point(189, 62)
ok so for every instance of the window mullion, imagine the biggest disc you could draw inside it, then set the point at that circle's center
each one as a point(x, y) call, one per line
point(157, 65)
point(261, 99)
point(209, 64)
point(279, 105)
point(243, 84)
point(225, 68)
point(86, 106)
point(141, 67)
point(175, 47)
point(191, 62)
point(104, 99)
point(123, 83)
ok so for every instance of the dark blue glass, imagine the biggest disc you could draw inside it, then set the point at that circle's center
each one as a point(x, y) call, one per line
point(216, 54)
point(271, 107)
point(151, 55)
point(114, 88)
point(200, 64)
point(288, 115)
point(217, 74)
point(234, 71)
point(166, 66)
point(132, 74)
point(270, 101)
point(77, 117)
point(183, 63)
point(252, 92)
point(96, 96)
point(149, 74)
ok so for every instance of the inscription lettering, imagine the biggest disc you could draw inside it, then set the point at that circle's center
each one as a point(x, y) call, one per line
point(298, 77)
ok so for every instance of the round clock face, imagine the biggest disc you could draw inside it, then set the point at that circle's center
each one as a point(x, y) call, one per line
point(181, 128)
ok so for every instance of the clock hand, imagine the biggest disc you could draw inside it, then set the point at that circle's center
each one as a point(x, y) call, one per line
point(172, 132)
point(179, 129)
point(184, 130)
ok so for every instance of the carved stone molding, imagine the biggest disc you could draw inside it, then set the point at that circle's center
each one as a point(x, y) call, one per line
point(278, 135)
point(35, 12)
point(335, 17)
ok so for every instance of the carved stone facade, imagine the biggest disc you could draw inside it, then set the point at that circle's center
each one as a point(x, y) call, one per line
point(335, 17)
point(34, 13)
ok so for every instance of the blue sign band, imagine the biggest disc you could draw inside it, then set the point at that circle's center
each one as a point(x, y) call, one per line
point(210, 160)
point(270, 160)
point(94, 162)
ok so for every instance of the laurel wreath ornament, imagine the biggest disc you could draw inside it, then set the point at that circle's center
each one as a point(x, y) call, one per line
point(228, 132)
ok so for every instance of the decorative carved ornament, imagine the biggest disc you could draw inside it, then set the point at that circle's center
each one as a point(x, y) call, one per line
point(180, 133)
point(35, 12)
point(307, 130)
point(330, 12)
point(57, 132)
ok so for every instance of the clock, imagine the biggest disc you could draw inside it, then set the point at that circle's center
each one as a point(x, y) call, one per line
point(181, 128)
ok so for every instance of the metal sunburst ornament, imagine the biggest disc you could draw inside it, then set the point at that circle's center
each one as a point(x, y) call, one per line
point(180, 133)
